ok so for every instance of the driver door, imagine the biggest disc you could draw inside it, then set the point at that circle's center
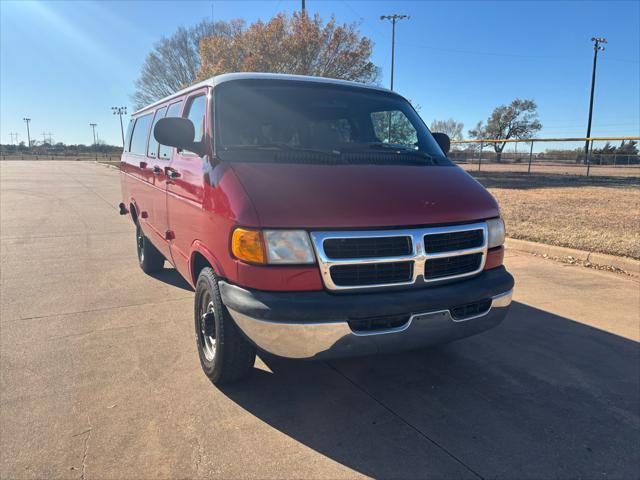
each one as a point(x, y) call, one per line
point(185, 185)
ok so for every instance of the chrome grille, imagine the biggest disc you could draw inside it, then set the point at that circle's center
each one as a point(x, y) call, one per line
point(337, 248)
point(388, 258)
point(447, 266)
point(371, 273)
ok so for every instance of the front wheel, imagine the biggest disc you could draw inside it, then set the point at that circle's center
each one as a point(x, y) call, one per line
point(225, 354)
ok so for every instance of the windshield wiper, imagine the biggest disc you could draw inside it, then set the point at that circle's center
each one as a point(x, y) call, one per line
point(399, 149)
point(280, 146)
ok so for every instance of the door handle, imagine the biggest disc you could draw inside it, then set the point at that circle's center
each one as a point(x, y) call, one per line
point(143, 165)
point(171, 173)
point(156, 170)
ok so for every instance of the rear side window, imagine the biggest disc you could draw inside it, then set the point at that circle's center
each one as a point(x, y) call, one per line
point(127, 143)
point(173, 111)
point(152, 150)
point(140, 135)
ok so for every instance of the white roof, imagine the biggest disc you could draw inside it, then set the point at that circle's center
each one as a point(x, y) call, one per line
point(228, 77)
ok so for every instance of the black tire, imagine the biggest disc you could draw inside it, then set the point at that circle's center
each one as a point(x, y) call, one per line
point(149, 258)
point(225, 354)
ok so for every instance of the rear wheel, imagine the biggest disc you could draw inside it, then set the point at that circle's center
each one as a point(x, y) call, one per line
point(225, 354)
point(149, 258)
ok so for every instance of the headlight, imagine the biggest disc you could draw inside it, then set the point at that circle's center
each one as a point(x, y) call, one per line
point(279, 247)
point(288, 246)
point(496, 232)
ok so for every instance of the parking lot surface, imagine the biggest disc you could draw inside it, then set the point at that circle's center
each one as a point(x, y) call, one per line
point(99, 374)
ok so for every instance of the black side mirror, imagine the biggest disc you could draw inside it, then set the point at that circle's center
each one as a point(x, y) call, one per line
point(443, 141)
point(177, 132)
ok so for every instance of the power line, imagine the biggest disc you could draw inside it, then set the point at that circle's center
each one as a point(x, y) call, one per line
point(27, 121)
point(123, 111)
point(95, 142)
point(597, 47)
point(393, 18)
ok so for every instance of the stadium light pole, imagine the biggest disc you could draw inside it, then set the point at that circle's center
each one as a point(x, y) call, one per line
point(393, 18)
point(120, 111)
point(597, 41)
point(95, 143)
point(27, 120)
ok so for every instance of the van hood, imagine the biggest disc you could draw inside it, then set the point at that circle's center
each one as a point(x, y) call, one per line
point(362, 196)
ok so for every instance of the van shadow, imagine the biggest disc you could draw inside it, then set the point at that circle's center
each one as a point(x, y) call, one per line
point(539, 396)
point(171, 277)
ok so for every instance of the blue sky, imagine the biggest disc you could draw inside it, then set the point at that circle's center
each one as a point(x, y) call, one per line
point(64, 64)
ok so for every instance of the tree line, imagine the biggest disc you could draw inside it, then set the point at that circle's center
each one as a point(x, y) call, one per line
point(59, 148)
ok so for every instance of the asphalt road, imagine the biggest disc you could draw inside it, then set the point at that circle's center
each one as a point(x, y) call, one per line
point(100, 378)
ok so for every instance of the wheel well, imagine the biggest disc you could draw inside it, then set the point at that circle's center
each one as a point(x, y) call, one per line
point(133, 212)
point(199, 262)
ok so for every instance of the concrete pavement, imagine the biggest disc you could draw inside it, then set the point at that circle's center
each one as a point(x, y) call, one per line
point(100, 378)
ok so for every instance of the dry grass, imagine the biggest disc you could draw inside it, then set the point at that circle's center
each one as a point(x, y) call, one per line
point(600, 214)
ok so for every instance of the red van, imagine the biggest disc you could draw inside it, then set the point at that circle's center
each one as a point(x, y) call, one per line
point(315, 218)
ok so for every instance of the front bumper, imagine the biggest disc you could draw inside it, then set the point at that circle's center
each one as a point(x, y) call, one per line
point(316, 325)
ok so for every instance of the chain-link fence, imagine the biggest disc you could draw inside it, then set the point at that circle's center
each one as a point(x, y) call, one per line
point(608, 156)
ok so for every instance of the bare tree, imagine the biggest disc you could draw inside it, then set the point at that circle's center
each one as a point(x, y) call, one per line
point(519, 119)
point(450, 127)
point(173, 63)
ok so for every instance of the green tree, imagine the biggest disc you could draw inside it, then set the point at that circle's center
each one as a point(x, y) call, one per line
point(519, 119)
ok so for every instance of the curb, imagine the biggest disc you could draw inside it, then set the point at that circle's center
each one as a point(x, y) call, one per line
point(627, 265)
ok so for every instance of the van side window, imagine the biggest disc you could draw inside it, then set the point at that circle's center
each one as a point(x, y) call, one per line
point(127, 142)
point(195, 112)
point(152, 150)
point(140, 135)
point(172, 111)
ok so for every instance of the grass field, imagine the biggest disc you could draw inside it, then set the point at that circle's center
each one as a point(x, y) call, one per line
point(597, 214)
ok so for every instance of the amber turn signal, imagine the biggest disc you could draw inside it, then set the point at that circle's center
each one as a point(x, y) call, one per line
point(247, 245)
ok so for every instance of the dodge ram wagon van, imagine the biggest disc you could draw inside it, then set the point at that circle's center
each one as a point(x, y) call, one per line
point(315, 218)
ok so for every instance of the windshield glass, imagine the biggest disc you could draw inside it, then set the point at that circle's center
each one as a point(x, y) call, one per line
point(299, 122)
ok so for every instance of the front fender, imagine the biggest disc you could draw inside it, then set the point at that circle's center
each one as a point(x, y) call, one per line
point(197, 247)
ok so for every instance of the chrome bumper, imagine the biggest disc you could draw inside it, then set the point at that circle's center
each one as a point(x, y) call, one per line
point(335, 339)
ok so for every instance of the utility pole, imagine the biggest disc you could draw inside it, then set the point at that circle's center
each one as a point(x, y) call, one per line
point(27, 120)
point(120, 111)
point(304, 9)
point(95, 143)
point(44, 138)
point(394, 18)
point(596, 48)
point(14, 135)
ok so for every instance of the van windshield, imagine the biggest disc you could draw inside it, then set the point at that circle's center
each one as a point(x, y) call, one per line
point(302, 122)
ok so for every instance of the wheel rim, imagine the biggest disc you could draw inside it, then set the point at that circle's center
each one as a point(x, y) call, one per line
point(208, 342)
point(140, 243)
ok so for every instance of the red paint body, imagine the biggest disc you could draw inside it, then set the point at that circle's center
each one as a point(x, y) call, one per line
point(196, 213)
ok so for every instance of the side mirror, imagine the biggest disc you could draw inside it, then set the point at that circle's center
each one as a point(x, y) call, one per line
point(443, 141)
point(177, 132)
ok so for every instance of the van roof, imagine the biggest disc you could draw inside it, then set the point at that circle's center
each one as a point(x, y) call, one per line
point(229, 77)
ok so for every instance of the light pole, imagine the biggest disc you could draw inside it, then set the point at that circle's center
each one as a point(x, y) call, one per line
point(27, 120)
point(95, 143)
point(120, 111)
point(394, 18)
point(596, 48)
